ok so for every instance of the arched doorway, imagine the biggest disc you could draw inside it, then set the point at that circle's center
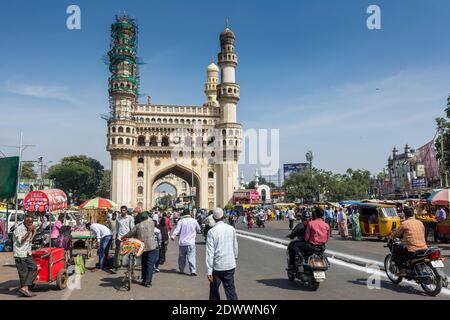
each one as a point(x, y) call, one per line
point(187, 176)
point(165, 195)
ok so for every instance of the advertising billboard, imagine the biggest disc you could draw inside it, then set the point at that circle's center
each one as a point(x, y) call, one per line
point(294, 167)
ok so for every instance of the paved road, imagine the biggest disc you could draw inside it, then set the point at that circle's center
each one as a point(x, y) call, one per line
point(368, 248)
point(260, 275)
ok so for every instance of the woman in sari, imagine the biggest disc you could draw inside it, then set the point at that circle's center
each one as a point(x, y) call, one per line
point(250, 220)
point(342, 223)
point(356, 229)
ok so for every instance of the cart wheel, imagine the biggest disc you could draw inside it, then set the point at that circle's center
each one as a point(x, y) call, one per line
point(61, 279)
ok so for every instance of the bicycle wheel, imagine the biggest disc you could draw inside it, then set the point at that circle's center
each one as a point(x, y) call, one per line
point(130, 271)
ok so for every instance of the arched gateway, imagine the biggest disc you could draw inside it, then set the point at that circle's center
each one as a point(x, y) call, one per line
point(198, 146)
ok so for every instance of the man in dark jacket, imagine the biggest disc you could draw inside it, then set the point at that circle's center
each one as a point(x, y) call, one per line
point(145, 231)
point(299, 233)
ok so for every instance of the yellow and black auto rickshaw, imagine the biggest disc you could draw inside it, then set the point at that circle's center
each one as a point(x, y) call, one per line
point(377, 220)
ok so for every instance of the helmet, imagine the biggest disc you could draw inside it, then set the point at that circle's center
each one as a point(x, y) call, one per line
point(306, 215)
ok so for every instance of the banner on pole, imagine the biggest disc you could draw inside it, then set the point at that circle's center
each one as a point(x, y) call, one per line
point(8, 176)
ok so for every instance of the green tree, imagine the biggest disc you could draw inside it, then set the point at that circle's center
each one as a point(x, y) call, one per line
point(309, 184)
point(104, 189)
point(262, 180)
point(27, 171)
point(445, 125)
point(79, 175)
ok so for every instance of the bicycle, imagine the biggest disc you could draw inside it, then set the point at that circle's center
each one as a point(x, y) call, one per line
point(128, 248)
point(129, 273)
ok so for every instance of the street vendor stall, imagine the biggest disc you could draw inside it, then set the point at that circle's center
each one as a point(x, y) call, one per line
point(86, 237)
point(442, 199)
point(96, 210)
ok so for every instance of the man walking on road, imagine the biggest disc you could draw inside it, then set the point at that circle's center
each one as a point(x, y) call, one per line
point(221, 255)
point(186, 230)
point(291, 216)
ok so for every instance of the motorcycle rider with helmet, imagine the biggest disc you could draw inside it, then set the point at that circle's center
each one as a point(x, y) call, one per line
point(412, 233)
point(317, 234)
point(298, 232)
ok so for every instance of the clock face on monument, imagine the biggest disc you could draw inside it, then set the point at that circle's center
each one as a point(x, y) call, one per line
point(176, 140)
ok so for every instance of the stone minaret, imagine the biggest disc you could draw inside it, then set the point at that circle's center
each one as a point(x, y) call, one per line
point(123, 93)
point(212, 80)
point(230, 132)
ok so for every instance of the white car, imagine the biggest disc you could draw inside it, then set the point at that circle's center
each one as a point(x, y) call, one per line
point(20, 216)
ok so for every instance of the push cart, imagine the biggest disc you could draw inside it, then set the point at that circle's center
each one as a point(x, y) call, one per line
point(51, 267)
point(85, 237)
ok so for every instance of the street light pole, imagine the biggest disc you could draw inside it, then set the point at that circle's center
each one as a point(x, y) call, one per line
point(443, 169)
point(18, 177)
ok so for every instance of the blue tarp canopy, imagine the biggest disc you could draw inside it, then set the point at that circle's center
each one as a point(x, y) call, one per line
point(346, 203)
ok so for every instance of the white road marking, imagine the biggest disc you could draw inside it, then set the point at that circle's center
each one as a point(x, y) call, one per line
point(342, 263)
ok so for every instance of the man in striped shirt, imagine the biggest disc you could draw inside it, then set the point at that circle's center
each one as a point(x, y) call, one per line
point(221, 255)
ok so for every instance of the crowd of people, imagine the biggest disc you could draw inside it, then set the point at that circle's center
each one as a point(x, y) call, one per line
point(154, 229)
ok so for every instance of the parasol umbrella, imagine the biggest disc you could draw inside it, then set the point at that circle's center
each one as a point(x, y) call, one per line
point(98, 203)
point(441, 198)
point(433, 194)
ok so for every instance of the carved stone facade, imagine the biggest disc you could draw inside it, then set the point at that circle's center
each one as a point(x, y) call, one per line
point(200, 145)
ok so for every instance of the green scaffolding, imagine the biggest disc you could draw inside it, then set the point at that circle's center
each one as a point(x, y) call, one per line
point(124, 35)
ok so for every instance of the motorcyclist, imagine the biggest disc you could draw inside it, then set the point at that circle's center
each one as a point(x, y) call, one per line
point(260, 217)
point(299, 233)
point(317, 234)
point(412, 232)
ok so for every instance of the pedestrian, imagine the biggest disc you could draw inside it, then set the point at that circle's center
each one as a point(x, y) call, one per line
point(329, 218)
point(186, 230)
point(221, 256)
point(164, 240)
point(104, 238)
point(3, 230)
point(249, 220)
point(112, 225)
point(441, 214)
point(356, 229)
point(158, 245)
point(125, 223)
point(342, 223)
point(168, 225)
point(54, 235)
point(145, 231)
point(231, 219)
point(24, 234)
point(291, 217)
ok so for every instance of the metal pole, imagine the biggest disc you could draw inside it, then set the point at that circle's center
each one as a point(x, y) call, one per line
point(18, 177)
point(41, 160)
point(443, 169)
point(192, 186)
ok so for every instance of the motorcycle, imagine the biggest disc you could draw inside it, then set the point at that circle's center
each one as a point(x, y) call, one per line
point(260, 222)
point(311, 269)
point(426, 267)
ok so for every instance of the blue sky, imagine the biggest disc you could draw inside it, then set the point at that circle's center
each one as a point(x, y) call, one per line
point(309, 68)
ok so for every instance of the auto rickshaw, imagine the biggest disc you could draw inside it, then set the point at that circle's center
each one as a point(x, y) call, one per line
point(377, 220)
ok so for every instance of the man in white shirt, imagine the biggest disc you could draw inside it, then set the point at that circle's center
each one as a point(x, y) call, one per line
point(291, 216)
point(125, 223)
point(186, 230)
point(104, 238)
point(221, 255)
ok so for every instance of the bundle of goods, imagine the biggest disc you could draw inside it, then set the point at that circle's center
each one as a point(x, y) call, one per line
point(134, 246)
